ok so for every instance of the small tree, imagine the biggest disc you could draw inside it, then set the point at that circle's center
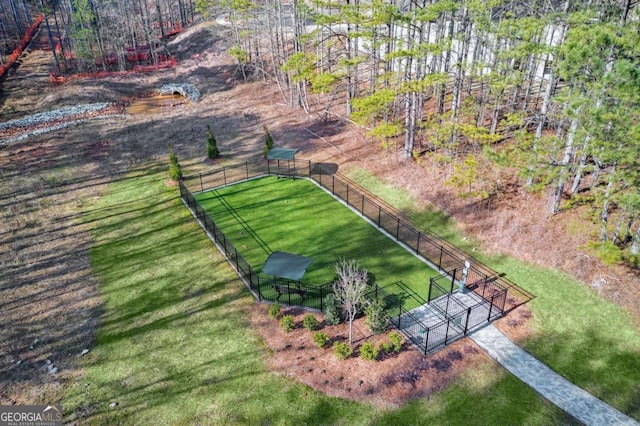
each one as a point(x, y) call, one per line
point(377, 317)
point(349, 288)
point(332, 310)
point(268, 142)
point(175, 172)
point(212, 146)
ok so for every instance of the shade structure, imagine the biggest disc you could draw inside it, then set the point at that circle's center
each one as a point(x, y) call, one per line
point(281, 154)
point(286, 265)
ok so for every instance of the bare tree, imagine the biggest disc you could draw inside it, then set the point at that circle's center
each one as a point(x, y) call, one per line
point(349, 288)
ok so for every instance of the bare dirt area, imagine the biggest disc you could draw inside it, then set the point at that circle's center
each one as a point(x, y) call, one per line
point(50, 299)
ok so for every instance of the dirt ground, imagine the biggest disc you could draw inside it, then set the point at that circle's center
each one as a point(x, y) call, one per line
point(50, 300)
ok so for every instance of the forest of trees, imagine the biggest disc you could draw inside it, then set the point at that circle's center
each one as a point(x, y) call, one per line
point(548, 89)
point(97, 35)
point(15, 18)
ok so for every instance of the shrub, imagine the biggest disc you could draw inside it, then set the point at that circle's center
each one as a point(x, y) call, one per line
point(310, 322)
point(212, 146)
point(321, 339)
point(175, 171)
point(396, 341)
point(342, 350)
point(287, 323)
point(273, 311)
point(268, 142)
point(369, 351)
point(332, 310)
point(376, 317)
point(386, 347)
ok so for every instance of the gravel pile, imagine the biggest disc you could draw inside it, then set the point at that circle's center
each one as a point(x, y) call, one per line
point(55, 115)
point(36, 124)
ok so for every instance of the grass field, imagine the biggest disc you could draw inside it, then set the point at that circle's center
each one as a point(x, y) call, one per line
point(296, 216)
point(175, 346)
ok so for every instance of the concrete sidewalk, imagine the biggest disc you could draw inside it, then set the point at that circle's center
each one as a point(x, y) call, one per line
point(570, 398)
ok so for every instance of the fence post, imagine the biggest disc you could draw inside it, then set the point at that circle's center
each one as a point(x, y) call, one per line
point(490, 307)
point(362, 206)
point(418, 243)
point(333, 185)
point(348, 195)
point(259, 291)
point(453, 279)
point(426, 340)
point(430, 287)
point(201, 187)
point(224, 175)
point(446, 334)
point(246, 166)
point(379, 214)
point(398, 230)
point(440, 261)
point(466, 323)
point(309, 169)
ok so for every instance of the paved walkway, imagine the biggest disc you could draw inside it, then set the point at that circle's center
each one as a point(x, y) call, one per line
point(572, 399)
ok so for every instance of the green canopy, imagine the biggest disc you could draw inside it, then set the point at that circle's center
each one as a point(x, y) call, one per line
point(281, 154)
point(286, 265)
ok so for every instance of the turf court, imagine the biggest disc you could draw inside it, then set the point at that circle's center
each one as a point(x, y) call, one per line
point(296, 216)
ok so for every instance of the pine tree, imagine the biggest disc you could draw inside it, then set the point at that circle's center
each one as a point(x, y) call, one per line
point(212, 146)
point(175, 171)
point(268, 142)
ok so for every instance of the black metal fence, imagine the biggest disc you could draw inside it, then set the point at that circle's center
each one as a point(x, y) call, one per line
point(498, 294)
point(262, 288)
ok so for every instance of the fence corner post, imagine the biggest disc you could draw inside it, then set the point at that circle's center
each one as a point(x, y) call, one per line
point(426, 341)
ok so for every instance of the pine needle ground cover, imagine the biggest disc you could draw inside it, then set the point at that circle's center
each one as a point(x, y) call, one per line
point(296, 216)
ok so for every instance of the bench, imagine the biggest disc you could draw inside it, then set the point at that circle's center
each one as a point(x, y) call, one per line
point(284, 289)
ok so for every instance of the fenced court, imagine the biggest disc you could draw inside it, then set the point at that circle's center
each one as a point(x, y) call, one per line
point(266, 215)
point(298, 217)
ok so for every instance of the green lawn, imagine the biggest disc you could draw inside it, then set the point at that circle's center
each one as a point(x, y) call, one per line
point(175, 346)
point(265, 215)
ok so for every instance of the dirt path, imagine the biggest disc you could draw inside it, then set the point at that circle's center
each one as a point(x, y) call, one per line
point(24, 85)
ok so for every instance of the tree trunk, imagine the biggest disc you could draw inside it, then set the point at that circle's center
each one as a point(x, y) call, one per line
point(604, 214)
point(635, 246)
point(566, 158)
point(460, 64)
point(548, 93)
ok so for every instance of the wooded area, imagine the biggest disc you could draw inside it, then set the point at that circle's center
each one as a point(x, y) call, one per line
point(93, 36)
point(548, 89)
